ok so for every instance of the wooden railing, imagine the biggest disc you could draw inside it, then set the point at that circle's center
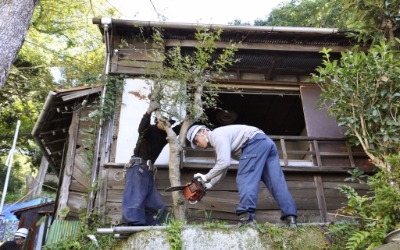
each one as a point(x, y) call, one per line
point(321, 154)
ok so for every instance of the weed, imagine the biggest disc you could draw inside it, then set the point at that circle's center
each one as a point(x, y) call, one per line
point(174, 236)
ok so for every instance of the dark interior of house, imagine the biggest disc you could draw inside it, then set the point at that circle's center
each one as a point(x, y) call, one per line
point(274, 113)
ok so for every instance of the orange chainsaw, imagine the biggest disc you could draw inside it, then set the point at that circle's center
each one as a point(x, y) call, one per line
point(193, 191)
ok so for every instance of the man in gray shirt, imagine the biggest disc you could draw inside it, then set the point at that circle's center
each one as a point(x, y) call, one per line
point(258, 161)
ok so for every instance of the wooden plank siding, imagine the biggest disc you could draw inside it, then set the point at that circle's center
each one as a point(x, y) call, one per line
point(315, 194)
point(138, 59)
point(76, 177)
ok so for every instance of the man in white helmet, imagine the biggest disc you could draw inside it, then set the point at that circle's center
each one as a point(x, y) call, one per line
point(18, 242)
point(258, 161)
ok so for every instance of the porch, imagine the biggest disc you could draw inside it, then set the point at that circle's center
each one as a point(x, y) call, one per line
point(314, 167)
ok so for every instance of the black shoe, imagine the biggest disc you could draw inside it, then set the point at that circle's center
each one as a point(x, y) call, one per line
point(250, 223)
point(290, 221)
point(244, 220)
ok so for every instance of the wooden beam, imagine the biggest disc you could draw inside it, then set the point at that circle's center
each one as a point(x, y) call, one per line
point(63, 130)
point(46, 143)
point(258, 83)
point(64, 197)
point(258, 46)
point(321, 198)
point(58, 120)
point(81, 93)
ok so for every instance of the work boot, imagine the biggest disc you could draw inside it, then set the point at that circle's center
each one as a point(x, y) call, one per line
point(290, 221)
point(244, 220)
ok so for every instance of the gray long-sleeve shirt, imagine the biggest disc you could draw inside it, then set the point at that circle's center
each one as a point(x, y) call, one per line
point(227, 142)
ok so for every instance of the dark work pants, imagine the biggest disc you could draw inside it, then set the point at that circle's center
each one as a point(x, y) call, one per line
point(260, 162)
point(141, 202)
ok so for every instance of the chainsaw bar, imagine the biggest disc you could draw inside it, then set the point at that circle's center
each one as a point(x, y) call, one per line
point(176, 188)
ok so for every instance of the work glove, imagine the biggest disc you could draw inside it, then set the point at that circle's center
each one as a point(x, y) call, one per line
point(208, 185)
point(153, 106)
point(201, 176)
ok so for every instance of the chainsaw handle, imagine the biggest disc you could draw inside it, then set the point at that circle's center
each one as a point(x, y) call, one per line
point(199, 179)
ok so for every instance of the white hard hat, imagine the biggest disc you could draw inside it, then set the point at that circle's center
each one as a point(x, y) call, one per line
point(192, 133)
point(22, 232)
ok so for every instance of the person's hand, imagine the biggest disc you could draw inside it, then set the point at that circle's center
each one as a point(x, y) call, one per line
point(201, 176)
point(153, 106)
point(208, 185)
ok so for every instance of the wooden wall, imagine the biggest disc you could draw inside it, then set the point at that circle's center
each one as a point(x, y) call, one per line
point(76, 173)
point(311, 191)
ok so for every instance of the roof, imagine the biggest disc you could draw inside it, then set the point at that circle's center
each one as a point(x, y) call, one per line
point(9, 210)
point(51, 129)
point(290, 50)
point(21, 210)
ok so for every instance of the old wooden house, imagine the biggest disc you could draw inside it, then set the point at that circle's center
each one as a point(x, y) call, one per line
point(272, 73)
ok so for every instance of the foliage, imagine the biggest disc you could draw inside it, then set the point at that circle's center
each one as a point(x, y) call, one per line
point(19, 101)
point(14, 185)
point(374, 20)
point(362, 90)
point(187, 74)
point(307, 13)
point(374, 214)
point(239, 22)
point(63, 32)
point(215, 224)
point(114, 85)
point(339, 232)
point(103, 110)
point(174, 234)
point(307, 237)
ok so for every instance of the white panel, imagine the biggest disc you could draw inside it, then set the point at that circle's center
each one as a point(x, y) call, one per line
point(132, 110)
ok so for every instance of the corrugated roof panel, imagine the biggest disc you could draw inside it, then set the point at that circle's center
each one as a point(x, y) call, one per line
point(61, 230)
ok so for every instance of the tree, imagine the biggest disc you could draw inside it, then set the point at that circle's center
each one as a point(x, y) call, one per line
point(362, 90)
point(307, 13)
point(60, 37)
point(62, 41)
point(374, 20)
point(14, 23)
point(188, 76)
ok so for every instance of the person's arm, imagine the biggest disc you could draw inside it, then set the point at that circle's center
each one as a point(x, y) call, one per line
point(144, 123)
point(223, 153)
point(222, 149)
point(217, 178)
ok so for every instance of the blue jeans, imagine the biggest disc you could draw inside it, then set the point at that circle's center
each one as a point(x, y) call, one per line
point(260, 162)
point(142, 205)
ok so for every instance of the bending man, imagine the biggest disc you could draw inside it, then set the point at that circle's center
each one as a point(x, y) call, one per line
point(258, 161)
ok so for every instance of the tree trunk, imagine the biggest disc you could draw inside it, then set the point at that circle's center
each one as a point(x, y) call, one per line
point(178, 202)
point(14, 23)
